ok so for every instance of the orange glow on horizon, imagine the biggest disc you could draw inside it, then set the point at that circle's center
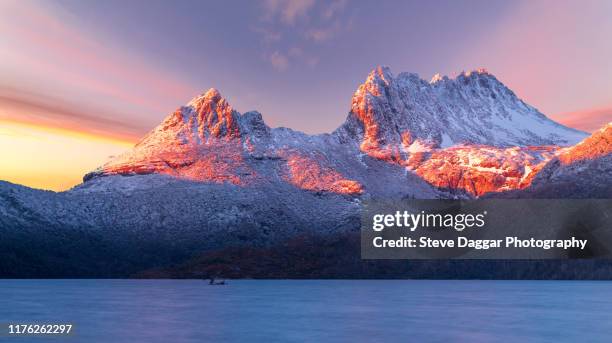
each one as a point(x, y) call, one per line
point(589, 120)
point(52, 158)
point(73, 131)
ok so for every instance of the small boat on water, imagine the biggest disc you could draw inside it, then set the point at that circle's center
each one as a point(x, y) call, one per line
point(212, 282)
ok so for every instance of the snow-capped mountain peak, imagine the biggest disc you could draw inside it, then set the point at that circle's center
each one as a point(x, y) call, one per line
point(207, 117)
point(212, 94)
point(473, 108)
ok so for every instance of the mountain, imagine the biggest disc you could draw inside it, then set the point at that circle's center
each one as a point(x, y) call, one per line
point(580, 171)
point(209, 178)
point(469, 134)
point(411, 114)
point(208, 141)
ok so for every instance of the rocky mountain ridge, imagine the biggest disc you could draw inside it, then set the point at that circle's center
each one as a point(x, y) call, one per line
point(469, 134)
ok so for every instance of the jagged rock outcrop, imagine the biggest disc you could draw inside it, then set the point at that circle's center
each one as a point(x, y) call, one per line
point(484, 169)
point(204, 140)
point(395, 115)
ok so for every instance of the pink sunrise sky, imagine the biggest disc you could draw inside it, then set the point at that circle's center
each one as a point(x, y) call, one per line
point(117, 68)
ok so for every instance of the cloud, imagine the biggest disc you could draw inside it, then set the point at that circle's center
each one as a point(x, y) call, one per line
point(27, 107)
point(334, 8)
point(587, 120)
point(44, 47)
point(279, 61)
point(268, 35)
point(289, 11)
point(290, 29)
point(320, 35)
point(327, 31)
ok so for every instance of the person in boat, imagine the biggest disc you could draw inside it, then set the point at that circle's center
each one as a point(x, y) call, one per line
point(213, 282)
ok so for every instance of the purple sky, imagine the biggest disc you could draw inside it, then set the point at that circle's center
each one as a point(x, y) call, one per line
point(118, 67)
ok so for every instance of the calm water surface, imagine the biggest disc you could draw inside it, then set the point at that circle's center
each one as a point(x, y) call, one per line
point(314, 311)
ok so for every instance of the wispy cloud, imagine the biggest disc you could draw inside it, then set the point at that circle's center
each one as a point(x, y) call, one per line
point(334, 8)
point(290, 29)
point(44, 51)
point(319, 35)
point(323, 34)
point(28, 107)
point(288, 11)
point(268, 35)
point(279, 61)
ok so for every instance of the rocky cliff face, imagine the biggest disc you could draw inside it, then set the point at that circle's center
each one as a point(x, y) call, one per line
point(394, 115)
point(470, 133)
point(202, 141)
point(479, 169)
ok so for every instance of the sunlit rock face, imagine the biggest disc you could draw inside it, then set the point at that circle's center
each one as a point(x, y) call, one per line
point(470, 133)
point(208, 141)
point(406, 112)
point(313, 173)
point(598, 145)
point(588, 162)
point(483, 169)
point(580, 171)
point(203, 141)
point(404, 136)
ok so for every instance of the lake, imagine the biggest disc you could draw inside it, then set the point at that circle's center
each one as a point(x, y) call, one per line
point(312, 310)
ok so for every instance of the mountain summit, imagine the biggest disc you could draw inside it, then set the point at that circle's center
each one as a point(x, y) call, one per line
point(205, 118)
point(473, 108)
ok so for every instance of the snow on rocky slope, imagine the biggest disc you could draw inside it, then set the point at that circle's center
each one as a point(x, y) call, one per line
point(470, 134)
point(580, 171)
point(409, 113)
point(481, 169)
point(208, 141)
